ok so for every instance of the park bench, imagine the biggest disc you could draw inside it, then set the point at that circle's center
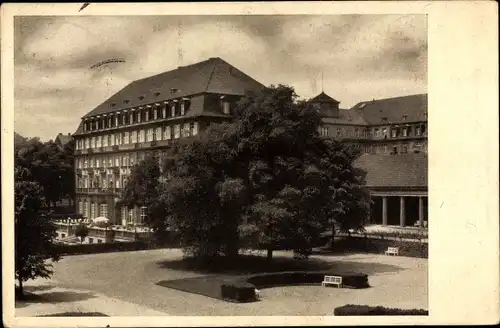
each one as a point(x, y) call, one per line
point(392, 251)
point(332, 280)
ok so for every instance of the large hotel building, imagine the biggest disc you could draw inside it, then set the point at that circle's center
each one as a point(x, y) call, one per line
point(151, 114)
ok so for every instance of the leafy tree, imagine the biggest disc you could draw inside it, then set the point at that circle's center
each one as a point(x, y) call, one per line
point(48, 165)
point(82, 231)
point(267, 180)
point(34, 233)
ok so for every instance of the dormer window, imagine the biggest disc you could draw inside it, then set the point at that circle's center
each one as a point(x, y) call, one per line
point(126, 101)
point(425, 115)
point(173, 90)
point(384, 119)
point(113, 104)
point(226, 107)
point(405, 117)
point(141, 97)
point(157, 94)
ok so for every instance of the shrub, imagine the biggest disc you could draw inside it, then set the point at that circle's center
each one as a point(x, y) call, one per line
point(238, 291)
point(356, 310)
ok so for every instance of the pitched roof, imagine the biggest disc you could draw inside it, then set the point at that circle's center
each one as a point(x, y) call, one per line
point(323, 97)
point(63, 138)
point(346, 116)
point(210, 76)
point(396, 110)
point(404, 170)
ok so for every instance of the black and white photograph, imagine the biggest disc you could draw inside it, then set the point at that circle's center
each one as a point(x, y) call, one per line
point(221, 165)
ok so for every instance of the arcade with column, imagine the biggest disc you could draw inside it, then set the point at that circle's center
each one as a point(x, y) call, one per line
point(408, 209)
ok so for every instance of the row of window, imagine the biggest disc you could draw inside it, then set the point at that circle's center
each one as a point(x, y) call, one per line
point(115, 160)
point(166, 132)
point(93, 210)
point(395, 149)
point(395, 132)
point(134, 116)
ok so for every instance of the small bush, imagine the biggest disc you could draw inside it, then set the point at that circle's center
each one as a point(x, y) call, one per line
point(357, 310)
point(238, 291)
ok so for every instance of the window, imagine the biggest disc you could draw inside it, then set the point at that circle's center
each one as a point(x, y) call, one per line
point(338, 132)
point(141, 135)
point(103, 210)
point(117, 183)
point(177, 131)
point(125, 160)
point(91, 240)
point(385, 149)
point(185, 130)
point(394, 133)
point(132, 115)
point(424, 128)
point(149, 136)
point(93, 211)
point(86, 209)
point(183, 108)
point(118, 139)
point(131, 216)
point(172, 110)
point(226, 108)
point(194, 128)
point(158, 133)
point(124, 118)
point(405, 132)
point(124, 215)
point(356, 132)
point(133, 137)
point(110, 121)
point(139, 116)
point(324, 131)
point(98, 162)
point(167, 133)
point(155, 114)
point(418, 130)
point(132, 159)
point(143, 215)
point(80, 207)
point(394, 149)
point(147, 115)
point(384, 132)
point(405, 149)
point(110, 161)
point(126, 137)
point(117, 160)
point(105, 141)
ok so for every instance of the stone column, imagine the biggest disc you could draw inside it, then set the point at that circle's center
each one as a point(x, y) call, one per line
point(384, 210)
point(420, 212)
point(402, 212)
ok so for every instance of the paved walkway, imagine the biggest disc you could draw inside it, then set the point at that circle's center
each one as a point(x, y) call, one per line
point(52, 300)
point(124, 284)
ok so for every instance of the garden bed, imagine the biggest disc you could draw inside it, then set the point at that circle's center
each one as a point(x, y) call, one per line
point(242, 288)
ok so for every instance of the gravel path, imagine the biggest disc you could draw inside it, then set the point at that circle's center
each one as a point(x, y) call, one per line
point(130, 277)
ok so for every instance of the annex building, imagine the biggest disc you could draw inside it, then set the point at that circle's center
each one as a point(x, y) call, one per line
point(151, 114)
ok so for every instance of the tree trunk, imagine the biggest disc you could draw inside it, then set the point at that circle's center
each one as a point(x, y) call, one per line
point(21, 290)
point(269, 253)
point(333, 236)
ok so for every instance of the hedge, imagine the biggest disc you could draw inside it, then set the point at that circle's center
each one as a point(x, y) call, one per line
point(379, 246)
point(352, 280)
point(356, 310)
point(238, 291)
point(243, 289)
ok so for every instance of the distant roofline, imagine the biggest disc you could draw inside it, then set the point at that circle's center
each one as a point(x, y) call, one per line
point(389, 98)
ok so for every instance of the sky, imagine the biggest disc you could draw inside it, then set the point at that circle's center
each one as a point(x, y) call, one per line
point(353, 58)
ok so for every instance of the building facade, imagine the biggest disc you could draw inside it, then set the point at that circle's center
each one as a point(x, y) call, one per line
point(148, 116)
point(392, 135)
point(386, 126)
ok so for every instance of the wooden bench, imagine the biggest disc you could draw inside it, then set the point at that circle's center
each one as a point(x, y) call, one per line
point(392, 251)
point(332, 280)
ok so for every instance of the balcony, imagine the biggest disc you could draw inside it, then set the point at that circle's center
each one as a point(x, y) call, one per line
point(100, 191)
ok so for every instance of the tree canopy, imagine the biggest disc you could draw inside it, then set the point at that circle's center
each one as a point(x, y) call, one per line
point(47, 164)
point(268, 180)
